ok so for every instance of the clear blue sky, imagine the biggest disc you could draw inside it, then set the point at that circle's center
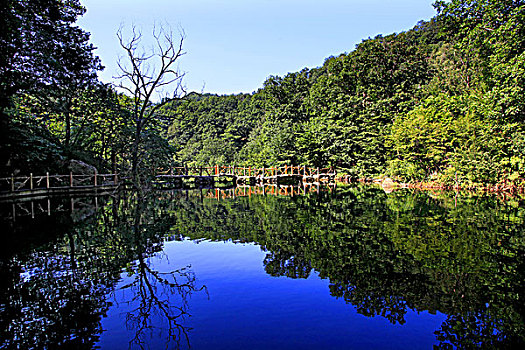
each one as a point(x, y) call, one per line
point(234, 45)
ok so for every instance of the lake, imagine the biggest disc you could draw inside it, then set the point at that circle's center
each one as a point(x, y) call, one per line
point(334, 268)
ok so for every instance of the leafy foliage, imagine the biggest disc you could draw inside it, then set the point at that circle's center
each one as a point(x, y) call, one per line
point(210, 129)
point(442, 101)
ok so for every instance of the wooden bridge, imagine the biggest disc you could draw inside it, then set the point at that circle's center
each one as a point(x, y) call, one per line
point(247, 175)
point(45, 185)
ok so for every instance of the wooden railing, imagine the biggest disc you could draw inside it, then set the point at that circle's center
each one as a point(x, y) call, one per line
point(47, 206)
point(229, 170)
point(42, 182)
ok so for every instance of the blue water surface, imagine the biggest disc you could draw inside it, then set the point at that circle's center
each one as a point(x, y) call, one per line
point(352, 268)
point(244, 307)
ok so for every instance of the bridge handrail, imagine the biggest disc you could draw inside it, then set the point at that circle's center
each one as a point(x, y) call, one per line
point(53, 181)
point(232, 170)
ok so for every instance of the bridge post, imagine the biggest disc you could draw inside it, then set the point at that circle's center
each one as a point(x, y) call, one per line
point(13, 183)
point(31, 182)
point(95, 178)
point(47, 180)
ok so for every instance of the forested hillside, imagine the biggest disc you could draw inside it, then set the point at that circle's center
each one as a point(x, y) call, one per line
point(443, 101)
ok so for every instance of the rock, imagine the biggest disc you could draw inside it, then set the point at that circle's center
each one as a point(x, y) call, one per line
point(79, 167)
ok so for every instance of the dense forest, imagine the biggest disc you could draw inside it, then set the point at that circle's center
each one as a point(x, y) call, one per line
point(442, 102)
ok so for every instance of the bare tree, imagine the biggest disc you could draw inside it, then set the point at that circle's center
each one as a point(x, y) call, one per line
point(148, 75)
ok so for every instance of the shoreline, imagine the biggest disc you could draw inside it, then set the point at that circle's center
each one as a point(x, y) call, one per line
point(389, 185)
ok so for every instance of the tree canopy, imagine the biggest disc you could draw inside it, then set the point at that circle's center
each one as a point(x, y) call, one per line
point(443, 101)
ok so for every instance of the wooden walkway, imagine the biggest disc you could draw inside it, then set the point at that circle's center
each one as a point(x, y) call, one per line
point(46, 185)
point(32, 186)
point(249, 176)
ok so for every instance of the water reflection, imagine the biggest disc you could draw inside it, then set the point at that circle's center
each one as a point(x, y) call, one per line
point(159, 296)
point(383, 254)
point(56, 293)
point(389, 253)
point(155, 295)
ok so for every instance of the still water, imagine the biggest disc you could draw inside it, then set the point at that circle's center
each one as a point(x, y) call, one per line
point(352, 268)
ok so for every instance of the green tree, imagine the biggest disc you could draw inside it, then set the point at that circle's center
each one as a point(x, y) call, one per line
point(41, 49)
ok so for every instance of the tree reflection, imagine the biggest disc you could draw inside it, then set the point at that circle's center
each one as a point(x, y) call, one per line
point(160, 297)
point(159, 300)
point(389, 253)
point(56, 295)
point(282, 263)
point(383, 254)
point(473, 331)
point(49, 297)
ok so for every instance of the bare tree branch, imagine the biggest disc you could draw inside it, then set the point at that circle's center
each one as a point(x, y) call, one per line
point(144, 75)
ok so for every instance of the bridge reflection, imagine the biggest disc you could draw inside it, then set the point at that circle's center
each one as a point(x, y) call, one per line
point(81, 207)
point(78, 207)
point(270, 189)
